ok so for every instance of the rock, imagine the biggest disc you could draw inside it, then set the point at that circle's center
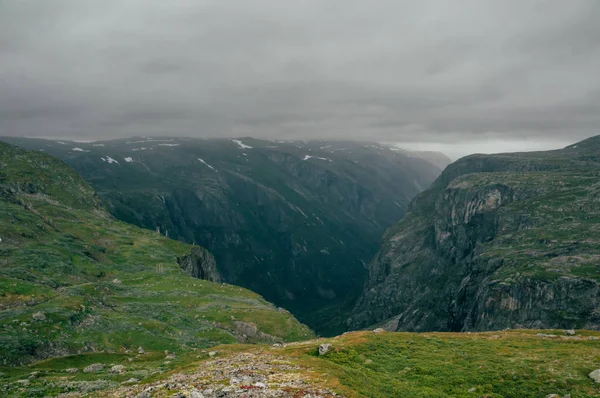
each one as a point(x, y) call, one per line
point(118, 369)
point(473, 389)
point(546, 335)
point(570, 332)
point(595, 375)
point(201, 264)
point(212, 353)
point(276, 345)
point(260, 385)
point(196, 394)
point(72, 370)
point(130, 359)
point(324, 349)
point(379, 330)
point(24, 382)
point(553, 396)
point(141, 350)
point(593, 338)
point(171, 356)
point(39, 316)
point(93, 368)
point(132, 380)
point(116, 281)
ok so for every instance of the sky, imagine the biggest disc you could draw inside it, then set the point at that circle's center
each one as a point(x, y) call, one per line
point(461, 77)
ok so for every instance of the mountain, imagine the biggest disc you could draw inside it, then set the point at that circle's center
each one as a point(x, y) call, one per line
point(498, 241)
point(295, 221)
point(74, 280)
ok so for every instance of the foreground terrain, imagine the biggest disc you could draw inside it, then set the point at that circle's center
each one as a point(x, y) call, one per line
point(74, 280)
point(295, 221)
point(506, 364)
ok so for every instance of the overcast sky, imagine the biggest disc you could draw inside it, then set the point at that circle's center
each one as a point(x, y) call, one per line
point(462, 76)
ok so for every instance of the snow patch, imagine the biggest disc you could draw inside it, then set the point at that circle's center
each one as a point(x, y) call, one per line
point(168, 144)
point(79, 150)
point(206, 164)
point(108, 159)
point(306, 157)
point(99, 145)
point(325, 147)
point(242, 145)
point(128, 160)
point(139, 149)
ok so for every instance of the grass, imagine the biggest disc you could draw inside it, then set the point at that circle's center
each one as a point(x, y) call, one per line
point(102, 285)
point(506, 364)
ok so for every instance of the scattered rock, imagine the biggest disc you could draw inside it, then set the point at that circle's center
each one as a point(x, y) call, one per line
point(39, 316)
point(72, 370)
point(553, 396)
point(132, 380)
point(24, 382)
point(595, 375)
point(130, 359)
point(593, 338)
point(277, 345)
point(171, 356)
point(93, 368)
point(212, 353)
point(324, 349)
point(570, 332)
point(379, 330)
point(196, 394)
point(118, 369)
point(141, 350)
point(116, 281)
point(550, 336)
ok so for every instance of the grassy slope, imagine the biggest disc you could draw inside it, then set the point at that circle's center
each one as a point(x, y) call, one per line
point(364, 364)
point(95, 279)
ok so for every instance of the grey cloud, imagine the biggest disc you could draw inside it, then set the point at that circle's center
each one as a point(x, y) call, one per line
point(403, 71)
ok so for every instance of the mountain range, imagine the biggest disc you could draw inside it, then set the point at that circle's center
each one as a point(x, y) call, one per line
point(296, 221)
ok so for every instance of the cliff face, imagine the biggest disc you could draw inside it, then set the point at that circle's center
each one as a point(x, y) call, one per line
point(499, 241)
point(200, 264)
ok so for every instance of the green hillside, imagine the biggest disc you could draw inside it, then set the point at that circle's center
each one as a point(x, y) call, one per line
point(74, 280)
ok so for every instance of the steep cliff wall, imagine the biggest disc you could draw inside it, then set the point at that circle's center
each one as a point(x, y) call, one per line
point(499, 241)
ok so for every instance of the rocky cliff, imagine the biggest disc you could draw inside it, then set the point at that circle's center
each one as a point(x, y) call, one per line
point(499, 241)
point(200, 264)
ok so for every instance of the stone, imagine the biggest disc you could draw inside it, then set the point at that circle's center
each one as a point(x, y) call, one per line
point(141, 350)
point(93, 368)
point(553, 396)
point(324, 349)
point(570, 332)
point(72, 370)
point(132, 380)
point(196, 394)
point(171, 356)
point(593, 338)
point(212, 353)
point(473, 389)
point(595, 375)
point(118, 369)
point(39, 316)
point(24, 382)
point(379, 330)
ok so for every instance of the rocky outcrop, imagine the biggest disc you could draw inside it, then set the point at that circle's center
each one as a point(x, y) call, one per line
point(200, 264)
point(499, 241)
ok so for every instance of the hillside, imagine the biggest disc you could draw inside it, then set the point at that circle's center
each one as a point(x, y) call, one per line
point(523, 364)
point(74, 280)
point(498, 241)
point(295, 221)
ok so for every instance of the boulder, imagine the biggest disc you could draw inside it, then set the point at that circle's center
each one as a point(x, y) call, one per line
point(118, 369)
point(39, 316)
point(595, 375)
point(93, 368)
point(324, 349)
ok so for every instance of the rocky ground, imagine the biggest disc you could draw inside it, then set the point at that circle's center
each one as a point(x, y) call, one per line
point(243, 375)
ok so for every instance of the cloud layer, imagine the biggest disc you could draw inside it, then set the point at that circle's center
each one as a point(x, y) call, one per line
point(390, 70)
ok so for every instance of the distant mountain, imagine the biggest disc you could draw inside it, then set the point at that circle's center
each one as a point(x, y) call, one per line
point(437, 158)
point(498, 241)
point(75, 280)
point(293, 220)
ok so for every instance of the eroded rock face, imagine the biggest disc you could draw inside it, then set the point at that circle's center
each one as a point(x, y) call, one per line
point(200, 264)
point(499, 241)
